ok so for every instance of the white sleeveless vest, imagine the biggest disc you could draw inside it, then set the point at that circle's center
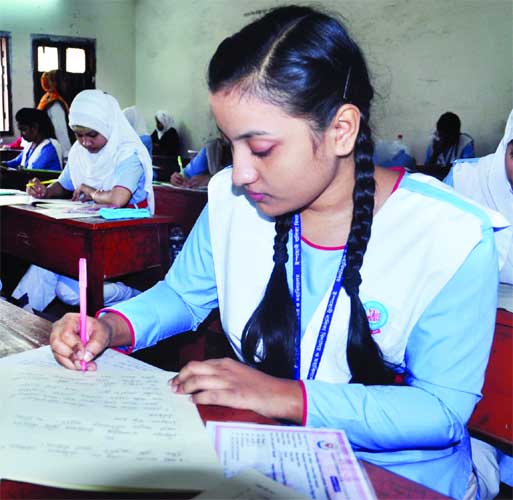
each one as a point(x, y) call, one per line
point(418, 242)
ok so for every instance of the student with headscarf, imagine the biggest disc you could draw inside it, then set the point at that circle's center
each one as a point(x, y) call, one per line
point(165, 138)
point(42, 151)
point(56, 107)
point(489, 181)
point(107, 164)
point(135, 118)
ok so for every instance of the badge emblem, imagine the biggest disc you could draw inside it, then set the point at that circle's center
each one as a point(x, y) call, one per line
point(377, 315)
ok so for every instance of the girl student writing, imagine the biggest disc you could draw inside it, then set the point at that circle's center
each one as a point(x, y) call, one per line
point(304, 218)
point(107, 164)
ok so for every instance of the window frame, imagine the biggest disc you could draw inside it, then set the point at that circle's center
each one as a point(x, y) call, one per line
point(62, 43)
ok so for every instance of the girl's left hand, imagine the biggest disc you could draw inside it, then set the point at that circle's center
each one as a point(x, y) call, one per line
point(227, 382)
point(83, 193)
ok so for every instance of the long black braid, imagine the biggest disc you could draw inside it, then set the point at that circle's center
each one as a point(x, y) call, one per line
point(363, 354)
point(271, 329)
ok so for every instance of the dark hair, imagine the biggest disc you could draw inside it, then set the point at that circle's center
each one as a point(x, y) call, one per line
point(449, 125)
point(32, 116)
point(305, 62)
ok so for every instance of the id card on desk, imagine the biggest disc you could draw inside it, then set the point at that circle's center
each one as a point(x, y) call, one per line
point(318, 463)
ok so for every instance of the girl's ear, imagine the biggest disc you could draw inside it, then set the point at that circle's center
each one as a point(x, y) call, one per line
point(345, 127)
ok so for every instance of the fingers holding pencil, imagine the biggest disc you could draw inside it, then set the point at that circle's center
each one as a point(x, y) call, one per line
point(67, 347)
point(37, 188)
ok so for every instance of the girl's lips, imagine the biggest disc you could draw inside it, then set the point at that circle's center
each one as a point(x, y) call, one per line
point(255, 196)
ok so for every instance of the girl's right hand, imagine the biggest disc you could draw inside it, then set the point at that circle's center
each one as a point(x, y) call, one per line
point(36, 189)
point(178, 179)
point(67, 346)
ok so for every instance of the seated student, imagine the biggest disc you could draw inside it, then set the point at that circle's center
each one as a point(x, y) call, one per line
point(42, 152)
point(135, 119)
point(107, 164)
point(448, 144)
point(212, 158)
point(489, 181)
point(396, 368)
point(56, 107)
point(165, 138)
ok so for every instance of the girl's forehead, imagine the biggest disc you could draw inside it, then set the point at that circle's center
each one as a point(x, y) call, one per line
point(82, 130)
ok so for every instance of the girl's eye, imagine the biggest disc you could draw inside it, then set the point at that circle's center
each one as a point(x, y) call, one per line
point(262, 154)
point(92, 134)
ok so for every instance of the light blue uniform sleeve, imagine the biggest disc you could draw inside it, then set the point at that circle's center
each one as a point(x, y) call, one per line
point(446, 357)
point(65, 179)
point(198, 165)
point(183, 299)
point(130, 175)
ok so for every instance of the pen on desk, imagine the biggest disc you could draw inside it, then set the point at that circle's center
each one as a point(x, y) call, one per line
point(32, 184)
point(82, 284)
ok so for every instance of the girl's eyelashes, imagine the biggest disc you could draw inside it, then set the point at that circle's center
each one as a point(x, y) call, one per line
point(262, 154)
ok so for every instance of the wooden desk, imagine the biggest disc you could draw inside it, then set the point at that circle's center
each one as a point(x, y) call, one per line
point(112, 248)
point(16, 321)
point(21, 330)
point(183, 204)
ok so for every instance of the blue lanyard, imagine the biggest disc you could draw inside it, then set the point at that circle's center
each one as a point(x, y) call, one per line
point(330, 308)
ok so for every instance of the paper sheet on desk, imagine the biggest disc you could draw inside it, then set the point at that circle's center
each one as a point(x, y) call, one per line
point(66, 209)
point(119, 428)
point(250, 485)
point(13, 197)
point(319, 463)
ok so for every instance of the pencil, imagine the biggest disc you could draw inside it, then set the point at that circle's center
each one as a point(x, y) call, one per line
point(180, 165)
point(32, 184)
point(82, 284)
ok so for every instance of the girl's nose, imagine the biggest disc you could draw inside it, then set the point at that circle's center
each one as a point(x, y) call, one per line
point(243, 172)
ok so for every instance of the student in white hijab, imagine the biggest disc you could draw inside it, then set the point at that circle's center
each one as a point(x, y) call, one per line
point(135, 118)
point(165, 138)
point(489, 181)
point(107, 164)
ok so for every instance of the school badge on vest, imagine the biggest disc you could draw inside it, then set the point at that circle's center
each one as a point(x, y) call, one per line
point(377, 315)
